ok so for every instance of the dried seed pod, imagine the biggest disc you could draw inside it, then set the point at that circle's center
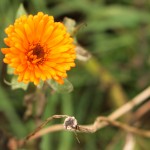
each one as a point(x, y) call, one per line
point(70, 123)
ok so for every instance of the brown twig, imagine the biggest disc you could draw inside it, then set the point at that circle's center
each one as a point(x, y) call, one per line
point(99, 123)
point(131, 104)
point(83, 128)
point(44, 123)
point(128, 106)
point(54, 128)
point(99, 120)
point(144, 109)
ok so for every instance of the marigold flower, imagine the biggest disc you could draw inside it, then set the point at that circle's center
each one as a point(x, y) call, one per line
point(39, 48)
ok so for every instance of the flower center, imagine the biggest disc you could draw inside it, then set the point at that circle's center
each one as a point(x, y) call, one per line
point(36, 54)
point(38, 51)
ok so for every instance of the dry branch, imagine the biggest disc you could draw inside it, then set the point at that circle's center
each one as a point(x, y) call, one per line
point(99, 123)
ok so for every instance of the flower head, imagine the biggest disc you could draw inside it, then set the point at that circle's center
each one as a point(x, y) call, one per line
point(39, 48)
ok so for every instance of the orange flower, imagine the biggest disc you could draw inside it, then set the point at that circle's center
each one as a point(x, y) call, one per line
point(39, 48)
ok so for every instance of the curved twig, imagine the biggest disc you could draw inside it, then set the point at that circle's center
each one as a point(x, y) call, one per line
point(100, 122)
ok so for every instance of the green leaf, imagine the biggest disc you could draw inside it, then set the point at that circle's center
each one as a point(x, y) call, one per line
point(17, 85)
point(10, 70)
point(67, 87)
point(21, 11)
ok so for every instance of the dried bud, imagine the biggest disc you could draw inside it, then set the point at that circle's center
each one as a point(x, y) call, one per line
point(70, 123)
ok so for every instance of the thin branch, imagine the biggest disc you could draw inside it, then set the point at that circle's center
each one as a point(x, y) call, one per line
point(85, 129)
point(99, 123)
point(128, 106)
point(44, 123)
point(131, 104)
point(134, 130)
point(145, 108)
point(99, 120)
point(54, 128)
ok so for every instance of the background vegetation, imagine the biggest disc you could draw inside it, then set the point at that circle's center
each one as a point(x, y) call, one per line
point(117, 34)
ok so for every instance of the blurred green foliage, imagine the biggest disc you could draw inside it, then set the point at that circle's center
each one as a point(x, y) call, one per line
point(117, 34)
